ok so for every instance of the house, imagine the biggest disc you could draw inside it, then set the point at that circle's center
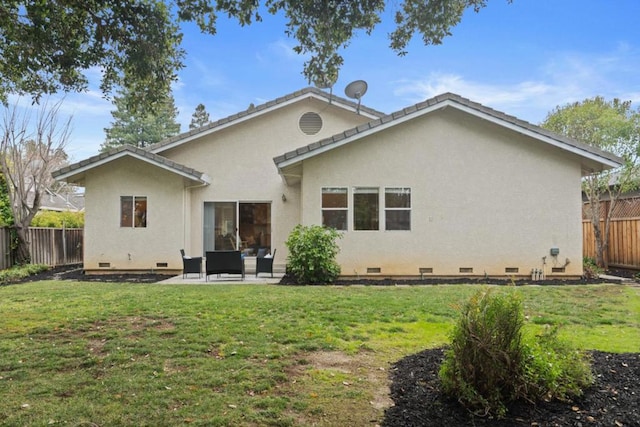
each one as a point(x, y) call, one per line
point(446, 187)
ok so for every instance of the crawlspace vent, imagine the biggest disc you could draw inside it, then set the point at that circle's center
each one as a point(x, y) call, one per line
point(373, 270)
point(310, 123)
point(104, 264)
point(466, 270)
point(557, 270)
point(161, 264)
point(511, 270)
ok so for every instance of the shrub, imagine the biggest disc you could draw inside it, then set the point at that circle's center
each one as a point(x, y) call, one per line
point(55, 219)
point(312, 254)
point(19, 272)
point(490, 363)
point(590, 268)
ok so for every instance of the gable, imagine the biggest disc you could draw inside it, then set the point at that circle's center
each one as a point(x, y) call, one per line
point(318, 101)
point(75, 173)
point(590, 158)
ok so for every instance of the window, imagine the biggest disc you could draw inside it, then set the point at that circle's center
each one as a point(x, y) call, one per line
point(397, 208)
point(133, 211)
point(366, 208)
point(334, 207)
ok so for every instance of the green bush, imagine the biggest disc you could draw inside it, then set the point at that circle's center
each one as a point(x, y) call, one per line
point(19, 272)
point(490, 363)
point(312, 254)
point(55, 219)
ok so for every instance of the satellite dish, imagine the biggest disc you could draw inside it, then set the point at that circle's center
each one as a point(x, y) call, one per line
point(356, 90)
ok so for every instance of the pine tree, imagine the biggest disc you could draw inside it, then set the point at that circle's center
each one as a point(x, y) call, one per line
point(199, 118)
point(140, 126)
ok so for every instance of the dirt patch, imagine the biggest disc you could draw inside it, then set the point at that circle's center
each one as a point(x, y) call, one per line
point(342, 375)
point(614, 399)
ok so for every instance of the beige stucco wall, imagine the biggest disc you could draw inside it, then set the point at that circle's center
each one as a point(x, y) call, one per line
point(239, 160)
point(483, 197)
point(125, 248)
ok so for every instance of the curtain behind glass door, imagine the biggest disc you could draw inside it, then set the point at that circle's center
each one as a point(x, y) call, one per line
point(220, 227)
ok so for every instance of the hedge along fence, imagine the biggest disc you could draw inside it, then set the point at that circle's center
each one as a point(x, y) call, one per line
point(50, 246)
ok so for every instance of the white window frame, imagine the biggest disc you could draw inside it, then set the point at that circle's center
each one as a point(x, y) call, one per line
point(335, 209)
point(397, 209)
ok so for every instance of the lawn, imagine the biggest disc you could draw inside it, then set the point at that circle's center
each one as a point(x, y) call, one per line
point(98, 354)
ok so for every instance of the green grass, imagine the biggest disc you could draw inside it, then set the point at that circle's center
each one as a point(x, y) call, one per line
point(246, 355)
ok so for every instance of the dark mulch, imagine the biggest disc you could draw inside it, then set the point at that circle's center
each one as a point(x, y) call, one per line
point(75, 273)
point(613, 400)
point(289, 280)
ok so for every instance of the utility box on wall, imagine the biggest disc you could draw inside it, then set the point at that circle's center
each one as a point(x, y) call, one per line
point(554, 251)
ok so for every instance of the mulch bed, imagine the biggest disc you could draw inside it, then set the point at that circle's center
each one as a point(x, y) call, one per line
point(75, 273)
point(612, 401)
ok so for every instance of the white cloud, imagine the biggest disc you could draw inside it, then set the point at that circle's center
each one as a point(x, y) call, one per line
point(565, 78)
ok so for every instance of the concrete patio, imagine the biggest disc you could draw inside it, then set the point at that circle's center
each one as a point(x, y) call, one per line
point(249, 278)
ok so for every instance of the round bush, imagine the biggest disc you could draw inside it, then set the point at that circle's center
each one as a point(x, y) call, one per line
point(312, 254)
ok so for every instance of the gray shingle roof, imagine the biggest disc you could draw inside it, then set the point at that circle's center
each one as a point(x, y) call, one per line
point(306, 92)
point(441, 101)
point(135, 152)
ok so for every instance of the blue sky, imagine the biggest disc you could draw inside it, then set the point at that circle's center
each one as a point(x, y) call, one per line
point(523, 58)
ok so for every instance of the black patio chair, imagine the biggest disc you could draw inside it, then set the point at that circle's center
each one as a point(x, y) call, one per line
point(264, 263)
point(191, 265)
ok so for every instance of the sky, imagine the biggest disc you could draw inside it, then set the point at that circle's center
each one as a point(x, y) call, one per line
point(523, 58)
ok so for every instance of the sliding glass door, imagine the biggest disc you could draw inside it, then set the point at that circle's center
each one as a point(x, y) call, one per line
point(237, 226)
point(220, 226)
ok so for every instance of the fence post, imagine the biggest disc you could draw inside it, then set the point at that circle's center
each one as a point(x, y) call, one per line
point(64, 244)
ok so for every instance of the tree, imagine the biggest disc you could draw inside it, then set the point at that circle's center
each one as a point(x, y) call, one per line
point(48, 46)
point(140, 126)
point(6, 216)
point(199, 118)
point(29, 151)
point(611, 126)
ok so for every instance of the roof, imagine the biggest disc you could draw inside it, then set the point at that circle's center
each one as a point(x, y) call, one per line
point(306, 93)
point(55, 201)
point(75, 172)
point(598, 159)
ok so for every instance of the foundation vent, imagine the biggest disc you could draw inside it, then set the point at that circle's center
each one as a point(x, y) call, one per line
point(104, 264)
point(557, 270)
point(426, 270)
point(373, 270)
point(512, 270)
point(161, 265)
point(466, 270)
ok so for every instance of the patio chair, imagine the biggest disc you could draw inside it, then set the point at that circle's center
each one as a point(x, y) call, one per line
point(191, 265)
point(264, 263)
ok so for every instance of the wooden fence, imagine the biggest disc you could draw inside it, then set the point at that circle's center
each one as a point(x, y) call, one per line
point(624, 242)
point(50, 246)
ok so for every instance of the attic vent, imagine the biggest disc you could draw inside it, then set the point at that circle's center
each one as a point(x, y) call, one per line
point(310, 123)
